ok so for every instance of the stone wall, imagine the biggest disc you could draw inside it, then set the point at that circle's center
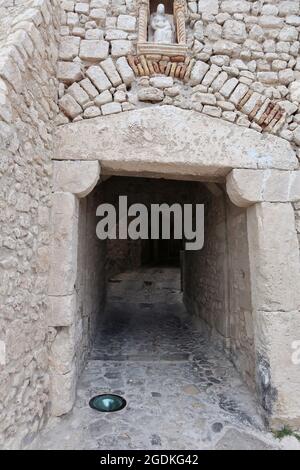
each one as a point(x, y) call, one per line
point(91, 280)
point(28, 90)
point(242, 63)
point(123, 255)
point(217, 283)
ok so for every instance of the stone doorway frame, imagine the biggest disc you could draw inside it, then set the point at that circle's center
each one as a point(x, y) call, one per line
point(267, 194)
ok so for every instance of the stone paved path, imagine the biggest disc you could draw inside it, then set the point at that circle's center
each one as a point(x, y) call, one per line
point(181, 392)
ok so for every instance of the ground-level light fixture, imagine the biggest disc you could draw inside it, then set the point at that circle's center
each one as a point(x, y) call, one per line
point(107, 402)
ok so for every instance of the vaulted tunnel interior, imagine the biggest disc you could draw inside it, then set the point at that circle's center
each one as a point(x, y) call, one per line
point(162, 326)
point(130, 291)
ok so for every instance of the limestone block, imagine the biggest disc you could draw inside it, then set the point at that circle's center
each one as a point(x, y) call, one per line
point(91, 112)
point(111, 108)
point(98, 78)
point(109, 68)
point(228, 87)
point(78, 93)
point(198, 71)
point(219, 81)
point(69, 72)
point(120, 47)
point(93, 34)
point(87, 85)
point(120, 96)
point(78, 178)
point(270, 78)
point(99, 15)
point(213, 111)
point(223, 47)
point(113, 34)
point(204, 98)
point(64, 238)
point(277, 371)
point(125, 70)
point(62, 310)
point(244, 187)
point(69, 47)
point(62, 350)
point(69, 106)
point(210, 7)
point(150, 94)
point(288, 7)
point(126, 22)
point(288, 33)
point(276, 186)
point(161, 82)
point(238, 93)
point(235, 31)
point(63, 388)
point(295, 91)
point(206, 146)
point(83, 8)
point(93, 51)
point(274, 260)
point(286, 76)
point(103, 98)
point(235, 6)
point(252, 102)
point(211, 75)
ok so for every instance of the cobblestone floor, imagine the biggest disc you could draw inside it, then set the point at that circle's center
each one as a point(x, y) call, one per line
point(181, 392)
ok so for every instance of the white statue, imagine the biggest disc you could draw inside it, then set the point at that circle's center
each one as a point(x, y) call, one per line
point(161, 25)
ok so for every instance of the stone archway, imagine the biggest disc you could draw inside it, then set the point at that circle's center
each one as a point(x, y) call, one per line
point(260, 173)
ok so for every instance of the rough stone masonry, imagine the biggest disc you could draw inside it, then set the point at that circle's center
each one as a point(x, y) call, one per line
point(67, 63)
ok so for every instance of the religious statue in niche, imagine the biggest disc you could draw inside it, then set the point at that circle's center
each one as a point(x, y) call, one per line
point(160, 32)
point(161, 27)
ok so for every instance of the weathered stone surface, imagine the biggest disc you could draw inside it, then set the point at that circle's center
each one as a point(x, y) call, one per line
point(125, 70)
point(276, 333)
point(295, 91)
point(150, 94)
point(111, 108)
point(246, 187)
point(235, 31)
point(63, 387)
point(205, 147)
point(69, 47)
point(87, 85)
point(62, 310)
point(235, 6)
point(126, 22)
point(109, 68)
point(69, 72)
point(78, 93)
point(93, 51)
point(120, 48)
point(78, 178)
point(161, 82)
point(98, 78)
point(69, 106)
point(63, 267)
point(209, 7)
point(274, 260)
point(198, 71)
point(103, 98)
